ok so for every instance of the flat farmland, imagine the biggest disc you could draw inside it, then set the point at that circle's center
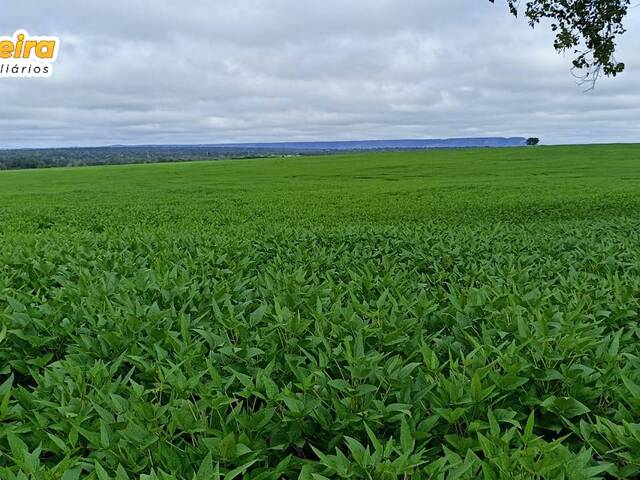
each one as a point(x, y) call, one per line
point(430, 314)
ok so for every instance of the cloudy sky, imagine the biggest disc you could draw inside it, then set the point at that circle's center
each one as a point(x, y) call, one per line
point(215, 71)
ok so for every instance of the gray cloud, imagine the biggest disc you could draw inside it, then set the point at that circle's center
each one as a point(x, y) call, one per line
point(209, 71)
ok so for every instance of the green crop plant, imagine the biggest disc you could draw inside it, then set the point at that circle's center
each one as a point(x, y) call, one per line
point(440, 314)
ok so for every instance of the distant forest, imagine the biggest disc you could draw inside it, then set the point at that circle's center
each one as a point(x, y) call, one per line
point(118, 155)
point(74, 157)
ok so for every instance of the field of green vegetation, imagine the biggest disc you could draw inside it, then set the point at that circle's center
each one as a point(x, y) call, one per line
point(439, 314)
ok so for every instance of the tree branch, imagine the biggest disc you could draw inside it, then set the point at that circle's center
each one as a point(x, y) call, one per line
point(587, 27)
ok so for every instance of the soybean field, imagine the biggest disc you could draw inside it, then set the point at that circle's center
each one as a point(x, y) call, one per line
point(445, 314)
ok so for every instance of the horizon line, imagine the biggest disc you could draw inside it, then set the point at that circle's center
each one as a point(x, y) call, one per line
point(267, 143)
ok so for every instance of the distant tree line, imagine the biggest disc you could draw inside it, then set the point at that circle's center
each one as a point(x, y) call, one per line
point(121, 155)
point(74, 157)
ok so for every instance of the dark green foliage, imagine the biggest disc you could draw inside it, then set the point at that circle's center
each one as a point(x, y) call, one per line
point(533, 141)
point(74, 157)
point(445, 315)
point(588, 28)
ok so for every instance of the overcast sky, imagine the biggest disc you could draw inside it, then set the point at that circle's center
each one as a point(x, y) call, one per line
point(214, 71)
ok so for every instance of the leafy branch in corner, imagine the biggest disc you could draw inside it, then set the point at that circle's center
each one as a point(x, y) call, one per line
point(589, 28)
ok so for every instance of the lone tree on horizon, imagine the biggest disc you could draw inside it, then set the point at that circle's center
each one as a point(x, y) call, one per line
point(588, 28)
point(533, 141)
